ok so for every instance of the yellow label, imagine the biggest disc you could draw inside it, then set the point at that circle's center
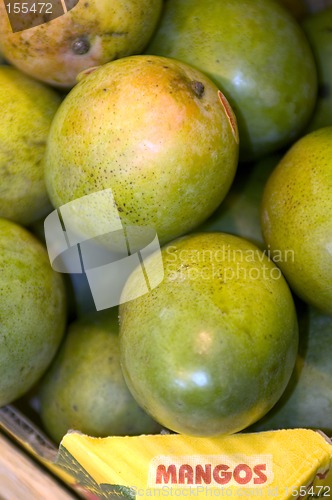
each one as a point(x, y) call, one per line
point(278, 464)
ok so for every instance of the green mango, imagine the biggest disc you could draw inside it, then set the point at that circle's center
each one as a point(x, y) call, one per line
point(84, 388)
point(32, 311)
point(27, 108)
point(318, 28)
point(211, 349)
point(296, 217)
point(257, 55)
point(73, 304)
point(307, 400)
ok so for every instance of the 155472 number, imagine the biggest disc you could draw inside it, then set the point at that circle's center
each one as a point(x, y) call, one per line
point(26, 8)
point(310, 492)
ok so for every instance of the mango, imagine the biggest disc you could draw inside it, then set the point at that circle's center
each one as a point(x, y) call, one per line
point(212, 348)
point(296, 217)
point(32, 311)
point(257, 55)
point(84, 388)
point(155, 131)
point(92, 33)
point(307, 400)
point(27, 108)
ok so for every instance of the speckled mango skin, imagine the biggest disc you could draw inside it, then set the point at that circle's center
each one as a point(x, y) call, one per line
point(84, 388)
point(257, 55)
point(32, 311)
point(204, 353)
point(296, 215)
point(112, 28)
point(139, 126)
point(27, 109)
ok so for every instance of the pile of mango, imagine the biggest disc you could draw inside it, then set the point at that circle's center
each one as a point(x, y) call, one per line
point(207, 126)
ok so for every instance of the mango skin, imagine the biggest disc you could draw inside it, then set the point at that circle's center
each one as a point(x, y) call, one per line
point(206, 353)
point(84, 388)
point(318, 29)
point(296, 217)
point(27, 108)
point(256, 54)
point(32, 311)
point(104, 30)
point(307, 400)
point(152, 129)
